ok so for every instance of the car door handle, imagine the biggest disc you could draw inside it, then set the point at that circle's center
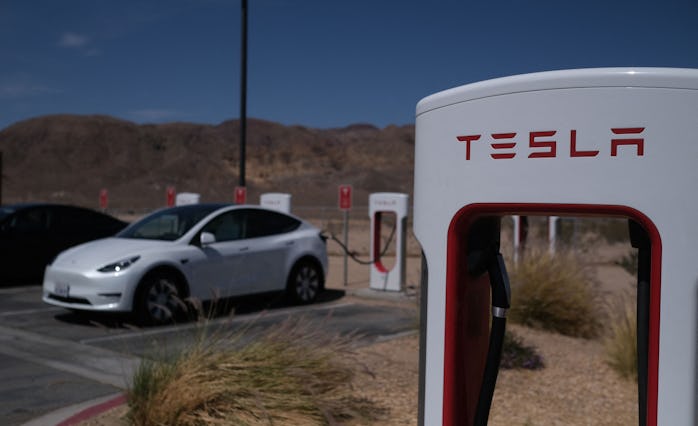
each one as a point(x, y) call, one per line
point(244, 248)
point(290, 243)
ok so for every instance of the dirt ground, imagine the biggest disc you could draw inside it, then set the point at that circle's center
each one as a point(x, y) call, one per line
point(575, 388)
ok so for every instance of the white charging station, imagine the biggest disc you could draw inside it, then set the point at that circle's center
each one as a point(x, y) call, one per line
point(619, 142)
point(379, 204)
point(185, 198)
point(276, 201)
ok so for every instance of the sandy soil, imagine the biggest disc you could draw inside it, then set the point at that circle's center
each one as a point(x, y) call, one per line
point(575, 388)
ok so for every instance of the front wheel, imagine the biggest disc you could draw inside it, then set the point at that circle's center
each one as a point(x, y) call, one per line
point(158, 300)
point(305, 282)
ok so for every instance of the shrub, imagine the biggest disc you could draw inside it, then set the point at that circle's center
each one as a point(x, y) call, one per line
point(621, 342)
point(556, 293)
point(517, 355)
point(290, 375)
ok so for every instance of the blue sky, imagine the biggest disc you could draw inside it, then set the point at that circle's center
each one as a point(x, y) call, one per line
point(316, 63)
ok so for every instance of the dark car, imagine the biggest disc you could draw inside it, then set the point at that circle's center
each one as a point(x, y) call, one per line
point(31, 235)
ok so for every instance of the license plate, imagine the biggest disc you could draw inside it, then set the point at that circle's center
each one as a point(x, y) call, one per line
point(61, 289)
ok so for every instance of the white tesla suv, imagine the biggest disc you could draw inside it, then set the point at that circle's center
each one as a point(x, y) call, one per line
point(200, 251)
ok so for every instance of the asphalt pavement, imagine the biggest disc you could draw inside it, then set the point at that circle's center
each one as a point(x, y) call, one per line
point(54, 362)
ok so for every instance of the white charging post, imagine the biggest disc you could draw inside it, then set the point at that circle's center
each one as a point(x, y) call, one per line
point(186, 198)
point(618, 142)
point(552, 234)
point(517, 235)
point(397, 204)
point(276, 201)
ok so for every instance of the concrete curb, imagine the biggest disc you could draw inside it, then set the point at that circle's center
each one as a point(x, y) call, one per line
point(369, 293)
point(77, 413)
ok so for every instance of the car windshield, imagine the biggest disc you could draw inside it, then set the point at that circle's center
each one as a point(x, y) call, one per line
point(169, 224)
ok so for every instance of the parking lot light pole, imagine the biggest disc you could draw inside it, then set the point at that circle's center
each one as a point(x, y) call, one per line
point(243, 94)
point(1, 178)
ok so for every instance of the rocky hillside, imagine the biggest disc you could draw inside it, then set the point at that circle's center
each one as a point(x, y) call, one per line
point(69, 158)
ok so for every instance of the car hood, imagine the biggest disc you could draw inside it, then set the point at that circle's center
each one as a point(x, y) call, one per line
point(98, 253)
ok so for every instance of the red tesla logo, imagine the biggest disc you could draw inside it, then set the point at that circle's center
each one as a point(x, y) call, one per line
point(544, 144)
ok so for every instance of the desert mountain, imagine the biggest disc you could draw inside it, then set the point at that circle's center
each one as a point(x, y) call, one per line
point(69, 158)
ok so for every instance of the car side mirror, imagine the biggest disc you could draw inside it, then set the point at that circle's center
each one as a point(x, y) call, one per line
point(207, 238)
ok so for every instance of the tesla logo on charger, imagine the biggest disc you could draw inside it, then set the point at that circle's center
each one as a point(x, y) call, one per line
point(545, 144)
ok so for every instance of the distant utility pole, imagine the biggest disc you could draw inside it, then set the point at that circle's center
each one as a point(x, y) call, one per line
point(243, 94)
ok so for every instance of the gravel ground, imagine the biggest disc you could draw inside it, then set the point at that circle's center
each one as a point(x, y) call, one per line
point(575, 388)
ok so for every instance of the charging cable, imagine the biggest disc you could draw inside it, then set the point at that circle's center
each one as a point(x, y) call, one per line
point(354, 255)
point(501, 302)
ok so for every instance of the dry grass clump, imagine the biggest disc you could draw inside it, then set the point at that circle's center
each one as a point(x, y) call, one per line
point(556, 293)
point(290, 375)
point(621, 342)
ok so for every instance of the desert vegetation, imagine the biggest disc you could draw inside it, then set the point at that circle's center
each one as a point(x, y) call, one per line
point(292, 374)
point(556, 293)
point(621, 341)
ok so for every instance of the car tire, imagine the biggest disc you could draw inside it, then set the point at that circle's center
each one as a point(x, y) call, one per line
point(305, 282)
point(158, 300)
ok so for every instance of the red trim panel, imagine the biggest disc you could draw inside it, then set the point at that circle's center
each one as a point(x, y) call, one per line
point(377, 243)
point(467, 305)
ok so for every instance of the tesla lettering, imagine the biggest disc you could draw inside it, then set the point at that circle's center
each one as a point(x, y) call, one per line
point(544, 144)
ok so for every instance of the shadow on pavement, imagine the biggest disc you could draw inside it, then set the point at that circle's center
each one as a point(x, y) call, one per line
point(221, 308)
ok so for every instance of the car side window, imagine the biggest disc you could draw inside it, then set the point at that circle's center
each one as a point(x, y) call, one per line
point(262, 223)
point(229, 226)
point(32, 220)
point(71, 220)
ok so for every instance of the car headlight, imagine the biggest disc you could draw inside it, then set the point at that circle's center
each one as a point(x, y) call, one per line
point(120, 265)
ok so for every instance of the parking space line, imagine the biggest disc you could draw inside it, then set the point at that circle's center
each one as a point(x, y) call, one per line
point(93, 363)
point(20, 289)
point(30, 311)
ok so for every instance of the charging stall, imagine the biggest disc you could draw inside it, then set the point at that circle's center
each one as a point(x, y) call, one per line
point(276, 201)
point(381, 204)
point(596, 142)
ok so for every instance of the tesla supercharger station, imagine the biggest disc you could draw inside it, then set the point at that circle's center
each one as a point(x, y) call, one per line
point(276, 201)
point(380, 204)
point(597, 142)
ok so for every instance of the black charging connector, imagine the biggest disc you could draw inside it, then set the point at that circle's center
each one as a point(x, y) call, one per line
point(499, 281)
point(483, 256)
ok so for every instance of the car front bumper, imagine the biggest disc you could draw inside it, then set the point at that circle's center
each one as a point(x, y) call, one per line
point(91, 291)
